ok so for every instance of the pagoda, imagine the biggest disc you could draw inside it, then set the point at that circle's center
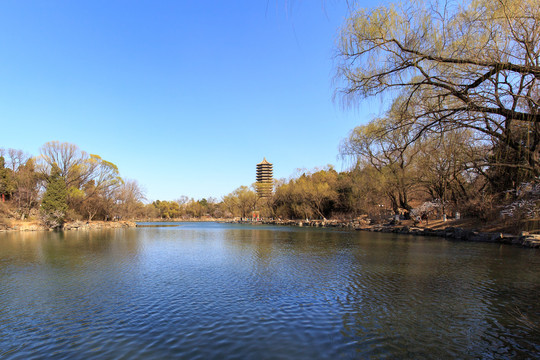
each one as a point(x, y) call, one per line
point(264, 184)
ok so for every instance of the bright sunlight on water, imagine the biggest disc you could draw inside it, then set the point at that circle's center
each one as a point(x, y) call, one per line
point(214, 291)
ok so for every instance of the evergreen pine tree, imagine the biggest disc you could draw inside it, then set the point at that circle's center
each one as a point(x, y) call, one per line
point(7, 182)
point(54, 203)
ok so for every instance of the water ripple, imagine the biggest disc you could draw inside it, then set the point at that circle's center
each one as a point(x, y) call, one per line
point(210, 291)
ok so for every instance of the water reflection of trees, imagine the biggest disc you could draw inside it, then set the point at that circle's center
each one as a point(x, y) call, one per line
point(67, 249)
point(290, 267)
point(322, 241)
point(383, 294)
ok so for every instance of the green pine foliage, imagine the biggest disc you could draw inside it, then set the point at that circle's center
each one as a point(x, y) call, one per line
point(7, 183)
point(54, 203)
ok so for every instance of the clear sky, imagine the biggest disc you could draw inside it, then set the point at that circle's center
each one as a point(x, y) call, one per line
point(186, 97)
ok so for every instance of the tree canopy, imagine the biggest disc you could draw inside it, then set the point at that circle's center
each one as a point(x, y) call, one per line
point(468, 65)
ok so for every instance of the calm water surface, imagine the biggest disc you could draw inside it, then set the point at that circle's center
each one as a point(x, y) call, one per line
point(213, 291)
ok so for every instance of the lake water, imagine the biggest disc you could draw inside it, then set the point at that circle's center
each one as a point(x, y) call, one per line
point(214, 291)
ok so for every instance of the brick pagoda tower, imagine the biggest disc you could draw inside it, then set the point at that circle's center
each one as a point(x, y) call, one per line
point(264, 184)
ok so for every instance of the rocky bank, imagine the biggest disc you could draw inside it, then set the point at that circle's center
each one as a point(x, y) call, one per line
point(72, 225)
point(524, 239)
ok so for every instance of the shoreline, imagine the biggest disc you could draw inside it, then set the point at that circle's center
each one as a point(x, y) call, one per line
point(524, 239)
point(68, 226)
point(440, 229)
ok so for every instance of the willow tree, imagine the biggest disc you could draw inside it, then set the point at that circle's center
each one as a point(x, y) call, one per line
point(390, 152)
point(443, 167)
point(316, 191)
point(76, 166)
point(241, 202)
point(87, 176)
point(128, 198)
point(472, 64)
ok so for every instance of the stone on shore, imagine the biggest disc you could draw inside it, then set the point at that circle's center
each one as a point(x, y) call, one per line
point(450, 232)
point(72, 225)
point(91, 225)
point(530, 240)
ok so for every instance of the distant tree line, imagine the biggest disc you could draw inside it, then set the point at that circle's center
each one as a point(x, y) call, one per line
point(387, 178)
point(64, 182)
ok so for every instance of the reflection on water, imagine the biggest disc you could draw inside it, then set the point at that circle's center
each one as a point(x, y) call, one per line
point(213, 291)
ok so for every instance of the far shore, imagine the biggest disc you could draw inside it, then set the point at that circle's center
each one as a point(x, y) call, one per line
point(465, 230)
point(34, 225)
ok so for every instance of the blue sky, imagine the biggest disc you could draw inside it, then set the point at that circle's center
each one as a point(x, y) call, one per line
point(186, 97)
